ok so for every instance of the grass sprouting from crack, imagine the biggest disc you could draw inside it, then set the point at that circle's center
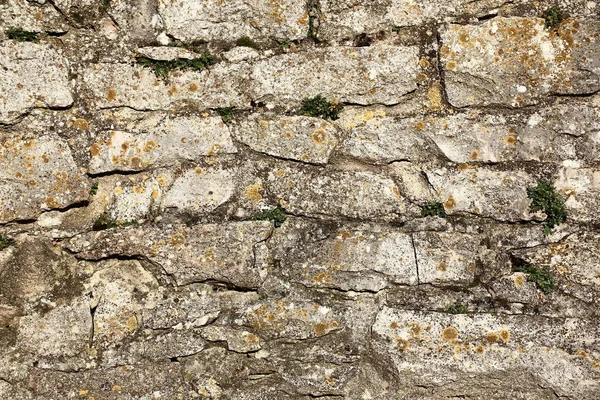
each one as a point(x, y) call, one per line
point(542, 278)
point(320, 107)
point(162, 67)
point(544, 198)
point(6, 242)
point(433, 209)
point(21, 35)
point(277, 215)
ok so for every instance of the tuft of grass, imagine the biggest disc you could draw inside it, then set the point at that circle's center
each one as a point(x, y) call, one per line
point(6, 242)
point(21, 35)
point(553, 17)
point(456, 309)
point(162, 67)
point(544, 198)
point(433, 209)
point(320, 107)
point(226, 113)
point(284, 43)
point(396, 28)
point(245, 41)
point(542, 278)
point(277, 215)
point(105, 222)
point(94, 188)
point(78, 17)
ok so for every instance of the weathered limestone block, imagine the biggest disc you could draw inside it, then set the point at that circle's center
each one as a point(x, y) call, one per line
point(581, 188)
point(446, 258)
point(362, 75)
point(223, 252)
point(31, 17)
point(217, 20)
point(135, 18)
point(439, 348)
point(347, 18)
point(135, 198)
point(299, 138)
point(36, 175)
point(501, 195)
point(516, 62)
point(31, 75)
point(515, 288)
point(289, 319)
point(240, 341)
point(173, 140)
point(62, 332)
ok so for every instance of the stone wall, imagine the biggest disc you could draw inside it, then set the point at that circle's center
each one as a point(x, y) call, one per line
point(177, 223)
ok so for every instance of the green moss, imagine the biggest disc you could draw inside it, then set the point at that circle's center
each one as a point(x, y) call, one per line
point(6, 242)
point(320, 107)
point(245, 41)
point(277, 215)
point(284, 43)
point(456, 309)
point(22, 36)
point(433, 209)
point(78, 17)
point(162, 67)
point(104, 5)
point(542, 278)
point(553, 17)
point(312, 30)
point(544, 198)
point(105, 222)
point(226, 113)
point(94, 188)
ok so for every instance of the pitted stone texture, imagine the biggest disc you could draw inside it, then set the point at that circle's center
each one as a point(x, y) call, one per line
point(440, 347)
point(362, 75)
point(31, 75)
point(30, 17)
point(581, 189)
point(240, 341)
point(135, 18)
point(135, 198)
point(209, 20)
point(62, 332)
point(200, 190)
point(298, 138)
point(38, 174)
point(173, 140)
point(223, 252)
point(516, 62)
point(501, 195)
point(446, 258)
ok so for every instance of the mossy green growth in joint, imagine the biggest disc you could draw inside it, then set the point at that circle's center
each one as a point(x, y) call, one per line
point(162, 67)
point(277, 215)
point(105, 222)
point(542, 278)
point(245, 41)
point(94, 188)
point(544, 198)
point(320, 107)
point(456, 309)
point(6, 242)
point(22, 36)
point(226, 113)
point(433, 209)
point(553, 17)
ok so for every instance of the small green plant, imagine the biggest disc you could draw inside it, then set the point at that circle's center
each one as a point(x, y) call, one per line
point(433, 209)
point(21, 36)
point(105, 222)
point(312, 29)
point(396, 28)
point(245, 41)
point(284, 43)
point(542, 278)
point(553, 17)
point(544, 198)
point(319, 106)
point(162, 67)
point(94, 188)
point(277, 215)
point(456, 309)
point(6, 242)
point(226, 113)
point(78, 17)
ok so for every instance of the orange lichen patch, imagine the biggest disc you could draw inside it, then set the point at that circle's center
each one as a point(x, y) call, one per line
point(415, 329)
point(172, 90)
point(504, 335)
point(31, 183)
point(137, 162)
point(319, 136)
point(442, 266)
point(424, 63)
point(394, 325)
point(450, 203)
point(323, 278)
point(95, 149)
point(581, 354)
point(519, 280)
point(449, 334)
point(209, 255)
point(215, 149)
point(150, 145)
point(193, 87)
point(451, 65)
point(492, 337)
point(83, 392)
point(29, 144)
point(111, 95)
point(401, 344)
point(280, 172)
point(131, 323)
point(139, 189)
point(45, 158)
point(81, 124)
point(251, 338)
point(322, 328)
point(474, 154)
point(434, 95)
point(51, 202)
point(118, 190)
point(463, 167)
point(155, 194)
point(420, 125)
point(330, 381)
point(479, 349)
point(177, 240)
point(254, 193)
point(116, 388)
point(422, 78)
point(510, 140)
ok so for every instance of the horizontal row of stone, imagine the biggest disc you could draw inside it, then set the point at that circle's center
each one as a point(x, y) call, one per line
point(512, 62)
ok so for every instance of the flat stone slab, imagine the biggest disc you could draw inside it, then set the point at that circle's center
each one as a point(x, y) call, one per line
point(31, 75)
point(37, 175)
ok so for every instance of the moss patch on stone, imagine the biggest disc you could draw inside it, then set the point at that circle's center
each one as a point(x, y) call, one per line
point(553, 17)
point(245, 41)
point(320, 107)
point(226, 113)
point(433, 209)
point(94, 188)
point(277, 215)
point(543, 279)
point(105, 222)
point(456, 309)
point(544, 198)
point(162, 67)
point(6, 242)
point(21, 35)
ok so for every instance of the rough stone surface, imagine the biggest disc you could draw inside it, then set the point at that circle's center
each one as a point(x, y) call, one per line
point(175, 225)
